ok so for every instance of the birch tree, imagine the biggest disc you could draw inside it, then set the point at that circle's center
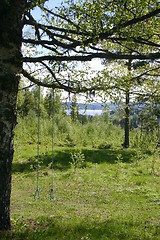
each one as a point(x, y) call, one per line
point(69, 34)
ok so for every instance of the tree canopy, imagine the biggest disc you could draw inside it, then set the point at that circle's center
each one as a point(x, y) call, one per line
point(80, 31)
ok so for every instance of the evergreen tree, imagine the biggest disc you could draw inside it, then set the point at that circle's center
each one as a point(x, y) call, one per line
point(74, 109)
point(52, 102)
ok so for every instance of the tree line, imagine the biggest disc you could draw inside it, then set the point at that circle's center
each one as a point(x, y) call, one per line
point(143, 120)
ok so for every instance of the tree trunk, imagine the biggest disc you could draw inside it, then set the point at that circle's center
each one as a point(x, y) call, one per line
point(8, 92)
point(10, 69)
point(126, 121)
point(127, 113)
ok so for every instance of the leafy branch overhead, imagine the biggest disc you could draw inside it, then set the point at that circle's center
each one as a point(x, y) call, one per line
point(86, 30)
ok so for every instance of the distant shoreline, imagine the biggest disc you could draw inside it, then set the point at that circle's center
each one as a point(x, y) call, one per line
point(87, 112)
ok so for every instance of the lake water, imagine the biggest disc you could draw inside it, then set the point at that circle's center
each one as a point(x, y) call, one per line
point(88, 112)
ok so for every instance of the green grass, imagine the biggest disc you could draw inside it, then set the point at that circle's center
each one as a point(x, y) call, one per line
point(114, 197)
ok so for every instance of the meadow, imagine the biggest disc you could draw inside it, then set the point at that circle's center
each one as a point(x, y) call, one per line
point(99, 194)
point(95, 189)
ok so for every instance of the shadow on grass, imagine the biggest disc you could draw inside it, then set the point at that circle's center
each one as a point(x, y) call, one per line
point(62, 158)
point(60, 228)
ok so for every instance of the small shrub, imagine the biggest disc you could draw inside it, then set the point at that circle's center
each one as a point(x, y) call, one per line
point(77, 160)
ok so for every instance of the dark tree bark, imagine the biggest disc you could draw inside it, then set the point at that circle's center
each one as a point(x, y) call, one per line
point(11, 13)
point(127, 115)
point(126, 121)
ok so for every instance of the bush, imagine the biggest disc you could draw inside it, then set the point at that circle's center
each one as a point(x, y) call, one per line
point(77, 160)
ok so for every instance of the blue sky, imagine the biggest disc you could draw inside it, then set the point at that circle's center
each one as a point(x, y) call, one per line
point(53, 3)
point(50, 3)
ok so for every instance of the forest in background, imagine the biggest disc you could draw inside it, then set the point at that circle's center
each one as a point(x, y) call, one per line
point(99, 131)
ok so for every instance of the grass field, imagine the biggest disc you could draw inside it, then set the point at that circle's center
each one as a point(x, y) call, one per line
point(114, 195)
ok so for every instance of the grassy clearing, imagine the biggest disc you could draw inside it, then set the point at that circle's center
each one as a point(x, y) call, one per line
point(115, 196)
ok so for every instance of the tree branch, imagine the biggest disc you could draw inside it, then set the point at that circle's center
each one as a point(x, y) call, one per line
point(58, 85)
point(84, 42)
point(89, 57)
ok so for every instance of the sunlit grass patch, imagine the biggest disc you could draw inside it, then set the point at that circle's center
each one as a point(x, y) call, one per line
point(113, 199)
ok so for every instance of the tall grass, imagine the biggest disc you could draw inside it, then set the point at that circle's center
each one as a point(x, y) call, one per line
point(113, 196)
point(101, 191)
point(67, 133)
point(95, 132)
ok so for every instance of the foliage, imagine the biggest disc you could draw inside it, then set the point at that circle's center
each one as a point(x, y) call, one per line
point(101, 132)
point(52, 102)
point(74, 109)
point(77, 160)
point(75, 31)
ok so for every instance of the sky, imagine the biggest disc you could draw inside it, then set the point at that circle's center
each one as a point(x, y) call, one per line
point(50, 3)
point(53, 3)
